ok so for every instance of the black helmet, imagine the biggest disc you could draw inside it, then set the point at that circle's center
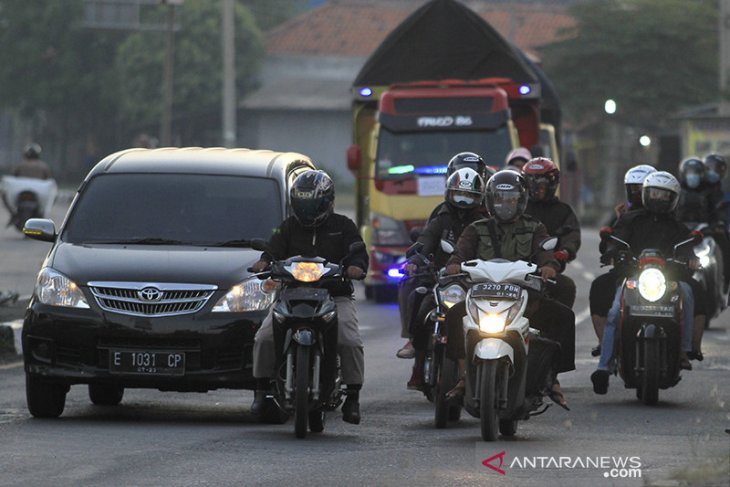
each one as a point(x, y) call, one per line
point(32, 151)
point(691, 172)
point(715, 167)
point(507, 195)
point(464, 189)
point(470, 160)
point(312, 197)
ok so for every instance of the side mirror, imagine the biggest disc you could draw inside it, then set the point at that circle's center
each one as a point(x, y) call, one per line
point(414, 249)
point(40, 229)
point(259, 244)
point(549, 243)
point(356, 247)
point(447, 247)
point(697, 237)
point(415, 233)
point(605, 232)
point(354, 158)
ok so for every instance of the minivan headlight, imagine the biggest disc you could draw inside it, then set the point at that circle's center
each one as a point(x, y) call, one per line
point(55, 289)
point(245, 296)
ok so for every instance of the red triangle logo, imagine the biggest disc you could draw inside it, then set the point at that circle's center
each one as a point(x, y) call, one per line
point(488, 462)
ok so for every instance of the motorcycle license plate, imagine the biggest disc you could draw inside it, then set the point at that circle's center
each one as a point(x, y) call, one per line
point(652, 310)
point(143, 362)
point(496, 290)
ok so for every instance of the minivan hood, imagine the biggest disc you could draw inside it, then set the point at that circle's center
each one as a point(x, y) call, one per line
point(222, 267)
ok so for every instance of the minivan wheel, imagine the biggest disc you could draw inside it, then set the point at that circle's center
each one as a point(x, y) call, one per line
point(44, 399)
point(106, 394)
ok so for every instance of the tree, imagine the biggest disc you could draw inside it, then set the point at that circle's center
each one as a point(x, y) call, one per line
point(198, 64)
point(653, 57)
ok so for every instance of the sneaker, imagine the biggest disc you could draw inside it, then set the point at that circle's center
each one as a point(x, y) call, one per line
point(259, 399)
point(351, 411)
point(416, 382)
point(600, 381)
point(693, 355)
point(684, 364)
point(407, 351)
point(596, 351)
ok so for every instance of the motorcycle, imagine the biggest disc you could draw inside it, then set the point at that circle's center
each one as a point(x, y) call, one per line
point(710, 274)
point(510, 368)
point(27, 198)
point(440, 372)
point(650, 329)
point(305, 328)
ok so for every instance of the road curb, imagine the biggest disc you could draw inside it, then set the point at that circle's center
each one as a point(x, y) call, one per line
point(10, 342)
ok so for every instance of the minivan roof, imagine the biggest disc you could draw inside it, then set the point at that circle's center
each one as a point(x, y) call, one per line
point(199, 160)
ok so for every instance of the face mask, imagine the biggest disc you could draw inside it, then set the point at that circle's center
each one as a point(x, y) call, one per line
point(712, 177)
point(693, 180)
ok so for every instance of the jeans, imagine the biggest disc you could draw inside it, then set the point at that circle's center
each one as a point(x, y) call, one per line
point(608, 342)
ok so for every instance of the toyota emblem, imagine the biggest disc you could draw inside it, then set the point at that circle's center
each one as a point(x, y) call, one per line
point(150, 294)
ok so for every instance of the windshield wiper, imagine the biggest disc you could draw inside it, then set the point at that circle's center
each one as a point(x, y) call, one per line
point(140, 241)
point(233, 243)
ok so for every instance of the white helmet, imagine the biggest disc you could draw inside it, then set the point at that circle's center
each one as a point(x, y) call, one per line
point(660, 192)
point(464, 189)
point(637, 174)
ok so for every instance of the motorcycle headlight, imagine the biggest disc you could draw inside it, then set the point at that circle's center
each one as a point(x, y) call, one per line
point(249, 295)
point(492, 322)
point(55, 289)
point(306, 271)
point(652, 284)
point(452, 295)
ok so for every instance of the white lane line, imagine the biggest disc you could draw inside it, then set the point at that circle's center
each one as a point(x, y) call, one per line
point(577, 264)
point(14, 365)
point(589, 276)
point(582, 316)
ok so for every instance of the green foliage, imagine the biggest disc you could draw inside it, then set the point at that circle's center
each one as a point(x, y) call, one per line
point(198, 63)
point(654, 57)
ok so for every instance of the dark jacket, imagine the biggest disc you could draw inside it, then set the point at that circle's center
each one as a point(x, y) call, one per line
point(642, 229)
point(448, 224)
point(517, 240)
point(330, 240)
point(699, 206)
point(560, 221)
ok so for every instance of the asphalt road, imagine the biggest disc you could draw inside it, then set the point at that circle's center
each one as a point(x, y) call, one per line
point(156, 438)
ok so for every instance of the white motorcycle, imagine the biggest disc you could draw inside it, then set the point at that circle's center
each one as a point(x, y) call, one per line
point(510, 368)
point(27, 198)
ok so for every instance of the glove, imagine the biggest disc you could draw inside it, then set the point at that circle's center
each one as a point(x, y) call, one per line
point(354, 272)
point(561, 256)
point(260, 266)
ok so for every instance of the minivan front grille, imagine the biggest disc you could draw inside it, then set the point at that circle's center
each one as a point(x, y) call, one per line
point(151, 299)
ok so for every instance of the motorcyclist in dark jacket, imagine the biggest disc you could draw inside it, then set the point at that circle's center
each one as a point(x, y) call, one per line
point(511, 234)
point(543, 178)
point(463, 196)
point(604, 286)
point(315, 230)
point(653, 227)
point(408, 299)
point(715, 168)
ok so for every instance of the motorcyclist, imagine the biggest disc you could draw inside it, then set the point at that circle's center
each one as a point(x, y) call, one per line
point(652, 227)
point(315, 230)
point(32, 166)
point(543, 178)
point(715, 168)
point(511, 234)
point(604, 286)
point(408, 299)
point(464, 194)
point(517, 158)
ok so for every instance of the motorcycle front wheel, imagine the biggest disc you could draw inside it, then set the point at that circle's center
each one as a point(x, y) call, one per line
point(650, 376)
point(301, 392)
point(445, 381)
point(489, 400)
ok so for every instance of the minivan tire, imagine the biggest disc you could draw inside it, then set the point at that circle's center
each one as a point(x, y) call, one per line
point(44, 399)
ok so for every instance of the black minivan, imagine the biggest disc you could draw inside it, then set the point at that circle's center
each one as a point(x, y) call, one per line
point(146, 283)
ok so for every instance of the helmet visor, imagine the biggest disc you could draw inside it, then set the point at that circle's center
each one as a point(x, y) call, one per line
point(310, 211)
point(506, 205)
point(633, 195)
point(659, 200)
point(464, 199)
point(539, 187)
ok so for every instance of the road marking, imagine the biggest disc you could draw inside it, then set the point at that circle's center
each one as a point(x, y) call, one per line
point(582, 316)
point(589, 276)
point(14, 365)
point(577, 264)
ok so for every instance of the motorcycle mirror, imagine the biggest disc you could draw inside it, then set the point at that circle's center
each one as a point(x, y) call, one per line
point(414, 249)
point(447, 247)
point(415, 233)
point(356, 247)
point(550, 243)
point(259, 244)
point(605, 232)
point(697, 236)
point(40, 229)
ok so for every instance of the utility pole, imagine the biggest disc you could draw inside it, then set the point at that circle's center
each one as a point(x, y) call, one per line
point(724, 70)
point(167, 83)
point(229, 73)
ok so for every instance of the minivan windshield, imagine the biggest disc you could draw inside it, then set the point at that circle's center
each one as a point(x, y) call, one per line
point(184, 209)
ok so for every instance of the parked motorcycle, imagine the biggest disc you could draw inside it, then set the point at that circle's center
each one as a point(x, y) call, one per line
point(650, 329)
point(27, 198)
point(305, 330)
point(440, 372)
point(510, 367)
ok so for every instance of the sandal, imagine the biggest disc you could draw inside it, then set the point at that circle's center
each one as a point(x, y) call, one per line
point(556, 395)
point(457, 391)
